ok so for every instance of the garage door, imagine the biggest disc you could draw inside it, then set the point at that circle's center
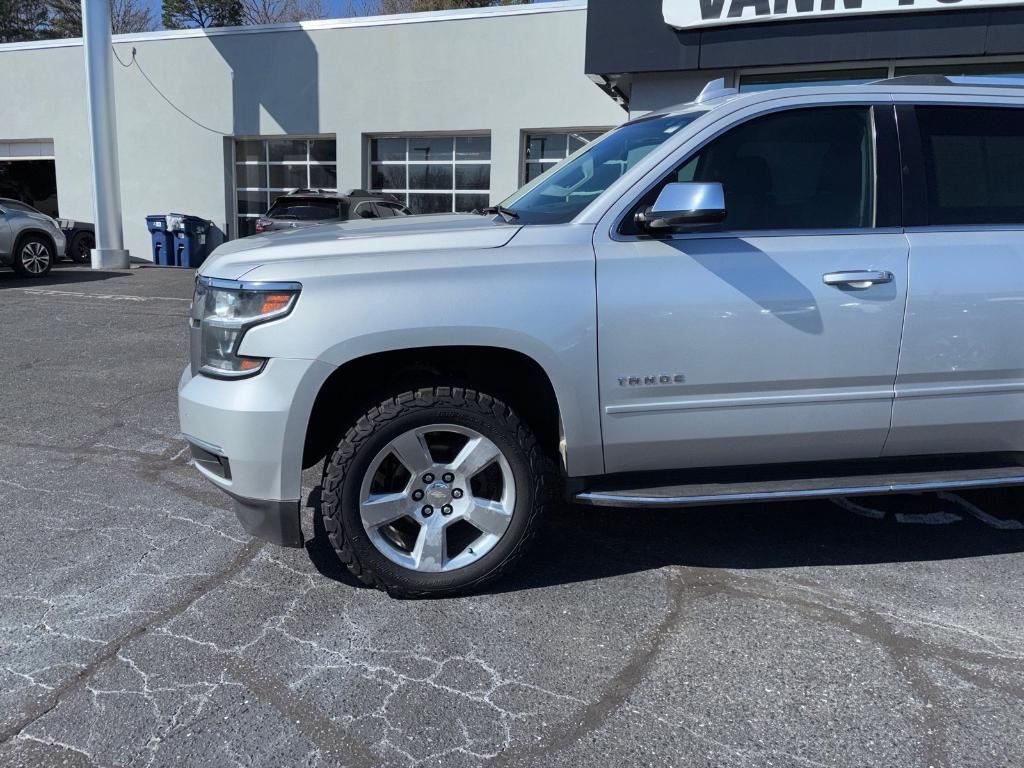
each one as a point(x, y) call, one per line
point(28, 173)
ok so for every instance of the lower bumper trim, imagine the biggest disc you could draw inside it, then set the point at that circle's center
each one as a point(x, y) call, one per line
point(275, 521)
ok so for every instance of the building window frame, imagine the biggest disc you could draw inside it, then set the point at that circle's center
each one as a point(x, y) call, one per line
point(524, 145)
point(404, 194)
point(893, 67)
point(273, 192)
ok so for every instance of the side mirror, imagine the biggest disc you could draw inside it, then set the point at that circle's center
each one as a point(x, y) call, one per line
point(684, 204)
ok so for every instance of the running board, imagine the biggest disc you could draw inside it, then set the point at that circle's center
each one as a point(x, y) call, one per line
point(796, 488)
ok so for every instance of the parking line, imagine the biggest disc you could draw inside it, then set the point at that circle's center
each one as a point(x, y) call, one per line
point(100, 296)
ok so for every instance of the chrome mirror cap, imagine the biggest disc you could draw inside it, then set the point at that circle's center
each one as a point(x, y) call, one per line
point(685, 204)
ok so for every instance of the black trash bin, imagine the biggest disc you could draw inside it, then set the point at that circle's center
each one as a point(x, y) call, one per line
point(191, 235)
point(163, 240)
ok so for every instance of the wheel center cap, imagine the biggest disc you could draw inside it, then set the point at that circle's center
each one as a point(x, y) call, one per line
point(438, 493)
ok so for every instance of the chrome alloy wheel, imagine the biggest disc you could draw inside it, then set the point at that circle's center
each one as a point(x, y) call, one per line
point(35, 257)
point(437, 498)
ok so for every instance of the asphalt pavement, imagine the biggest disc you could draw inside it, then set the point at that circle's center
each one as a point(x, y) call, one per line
point(139, 625)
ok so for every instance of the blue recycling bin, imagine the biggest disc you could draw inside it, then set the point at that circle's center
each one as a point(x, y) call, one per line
point(191, 240)
point(163, 240)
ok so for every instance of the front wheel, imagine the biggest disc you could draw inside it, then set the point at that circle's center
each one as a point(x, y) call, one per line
point(34, 257)
point(435, 492)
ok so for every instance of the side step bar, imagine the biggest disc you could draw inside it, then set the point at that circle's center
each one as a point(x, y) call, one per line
point(763, 490)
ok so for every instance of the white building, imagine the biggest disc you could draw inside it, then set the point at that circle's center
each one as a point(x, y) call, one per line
point(449, 110)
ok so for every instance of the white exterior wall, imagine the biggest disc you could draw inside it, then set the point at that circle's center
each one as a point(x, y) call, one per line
point(504, 70)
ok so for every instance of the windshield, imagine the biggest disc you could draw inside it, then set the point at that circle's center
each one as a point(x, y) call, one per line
point(559, 195)
point(304, 210)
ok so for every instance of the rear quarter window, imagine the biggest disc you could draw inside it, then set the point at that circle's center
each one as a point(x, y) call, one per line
point(974, 164)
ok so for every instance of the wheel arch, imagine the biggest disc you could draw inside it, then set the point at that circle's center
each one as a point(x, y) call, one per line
point(30, 232)
point(360, 383)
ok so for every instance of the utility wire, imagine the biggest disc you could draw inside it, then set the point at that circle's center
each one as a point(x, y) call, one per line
point(135, 62)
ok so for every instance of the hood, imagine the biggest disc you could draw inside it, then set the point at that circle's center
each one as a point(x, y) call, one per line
point(364, 236)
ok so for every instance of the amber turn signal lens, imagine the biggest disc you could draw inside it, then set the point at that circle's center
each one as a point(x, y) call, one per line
point(274, 302)
point(249, 364)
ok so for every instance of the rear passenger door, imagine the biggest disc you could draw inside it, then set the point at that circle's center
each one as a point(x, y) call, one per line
point(960, 384)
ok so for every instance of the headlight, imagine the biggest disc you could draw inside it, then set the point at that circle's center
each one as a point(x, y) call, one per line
point(225, 310)
point(65, 223)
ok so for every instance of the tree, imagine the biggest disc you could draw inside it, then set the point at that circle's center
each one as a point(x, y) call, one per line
point(22, 20)
point(127, 16)
point(181, 14)
point(374, 7)
point(278, 11)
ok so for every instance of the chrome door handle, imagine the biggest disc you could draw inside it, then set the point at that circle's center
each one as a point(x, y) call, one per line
point(858, 278)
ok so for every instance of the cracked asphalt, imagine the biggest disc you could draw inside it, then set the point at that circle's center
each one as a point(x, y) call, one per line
point(139, 626)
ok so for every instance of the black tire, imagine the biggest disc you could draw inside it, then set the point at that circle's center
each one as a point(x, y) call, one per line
point(534, 475)
point(80, 246)
point(28, 253)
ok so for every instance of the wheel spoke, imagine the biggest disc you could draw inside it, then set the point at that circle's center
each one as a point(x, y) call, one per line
point(489, 516)
point(411, 449)
point(475, 456)
point(381, 509)
point(429, 552)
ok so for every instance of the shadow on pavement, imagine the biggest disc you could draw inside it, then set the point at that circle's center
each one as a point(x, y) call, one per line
point(589, 543)
point(63, 273)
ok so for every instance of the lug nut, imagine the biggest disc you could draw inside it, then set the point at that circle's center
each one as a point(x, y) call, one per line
point(428, 511)
point(428, 478)
point(448, 477)
point(457, 493)
point(417, 495)
point(447, 510)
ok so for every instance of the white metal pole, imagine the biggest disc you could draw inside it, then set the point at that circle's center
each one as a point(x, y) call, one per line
point(110, 252)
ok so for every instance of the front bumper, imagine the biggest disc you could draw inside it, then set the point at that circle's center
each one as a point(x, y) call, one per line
point(247, 437)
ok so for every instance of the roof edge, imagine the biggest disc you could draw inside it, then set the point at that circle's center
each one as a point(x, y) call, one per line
point(426, 17)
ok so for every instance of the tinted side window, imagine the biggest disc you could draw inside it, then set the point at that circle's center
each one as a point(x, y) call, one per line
point(803, 169)
point(800, 169)
point(384, 211)
point(974, 164)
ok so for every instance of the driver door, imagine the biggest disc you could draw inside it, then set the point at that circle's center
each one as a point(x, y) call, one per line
point(726, 345)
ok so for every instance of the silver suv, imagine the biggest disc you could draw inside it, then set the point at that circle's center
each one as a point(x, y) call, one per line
point(802, 293)
point(30, 241)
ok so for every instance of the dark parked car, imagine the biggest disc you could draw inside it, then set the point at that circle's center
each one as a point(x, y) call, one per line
point(309, 207)
point(81, 237)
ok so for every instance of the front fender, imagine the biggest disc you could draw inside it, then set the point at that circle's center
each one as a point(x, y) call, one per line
point(539, 301)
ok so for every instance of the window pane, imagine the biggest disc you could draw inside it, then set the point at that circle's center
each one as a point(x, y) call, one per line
point(430, 148)
point(288, 176)
point(546, 146)
point(430, 177)
point(533, 170)
point(252, 202)
point(427, 203)
point(578, 140)
point(387, 149)
point(246, 227)
point(387, 177)
point(472, 177)
point(803, 169)
point(473, 148)
point(467, 203)
point(251, 175)
point(323, 176)
point(249, 150)
point(287, 150)
point(974, 164)
point(323, 150)
point(1005, 72)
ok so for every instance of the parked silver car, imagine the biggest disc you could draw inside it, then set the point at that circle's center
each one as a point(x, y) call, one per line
point(801, 293)
point(30, 241)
